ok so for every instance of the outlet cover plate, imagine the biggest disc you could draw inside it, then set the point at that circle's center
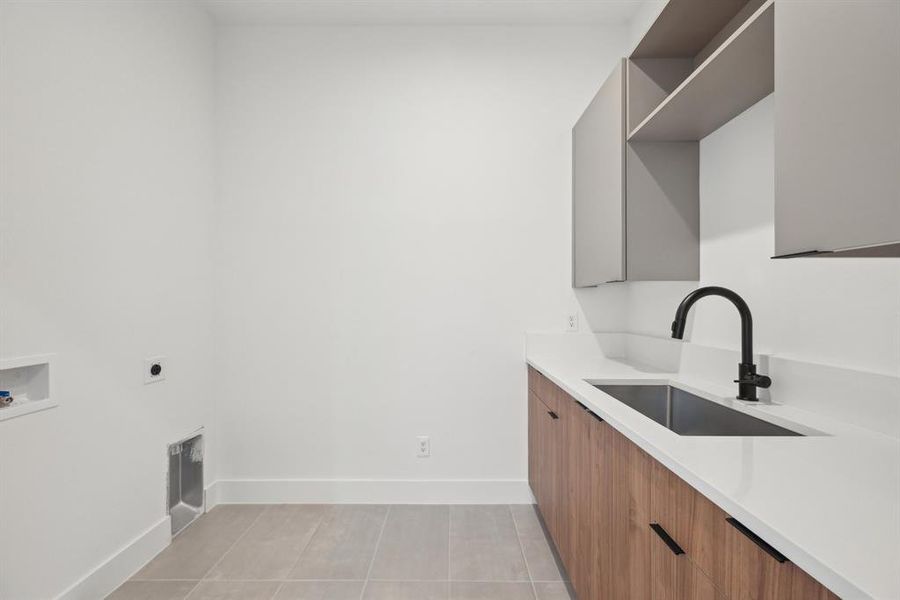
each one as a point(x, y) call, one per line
point(149, 362)
point(423, 446)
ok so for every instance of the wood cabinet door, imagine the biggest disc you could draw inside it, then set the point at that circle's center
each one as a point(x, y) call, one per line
point(674, 577)
point(567, 455)
point(534, 449)
point(601, 557)
point(754, 574)
point(547, 446)
point(804, 587)
point(620, 515)
point(575, 495)
point(694, 523)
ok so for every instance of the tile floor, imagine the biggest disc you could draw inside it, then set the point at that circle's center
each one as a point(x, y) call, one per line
point(355, 552)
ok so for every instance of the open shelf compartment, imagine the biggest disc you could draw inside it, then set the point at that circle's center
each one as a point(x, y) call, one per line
point(675, 99)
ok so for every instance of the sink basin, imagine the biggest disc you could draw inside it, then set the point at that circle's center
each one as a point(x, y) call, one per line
point(687, 414)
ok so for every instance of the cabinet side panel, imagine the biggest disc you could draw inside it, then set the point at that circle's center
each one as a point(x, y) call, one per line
point(663, 233)
point(837, 124)
point(598, 187)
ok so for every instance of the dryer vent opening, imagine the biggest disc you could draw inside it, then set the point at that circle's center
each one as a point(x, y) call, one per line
point(185, 499)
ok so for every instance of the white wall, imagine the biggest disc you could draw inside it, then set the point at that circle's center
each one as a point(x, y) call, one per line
point(105, 213)
point(394, 216)
point(842, 311)
point(643, 18)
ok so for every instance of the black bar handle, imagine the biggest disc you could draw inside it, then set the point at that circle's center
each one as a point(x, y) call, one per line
point(666, 538)
point(552, 414)
point(589, 411)
point(803, 254)
point(757, 540)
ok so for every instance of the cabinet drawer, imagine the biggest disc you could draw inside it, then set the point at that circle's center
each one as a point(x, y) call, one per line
point(674, 577)
point(544, 389)
point(757, 572)
point(695, 523)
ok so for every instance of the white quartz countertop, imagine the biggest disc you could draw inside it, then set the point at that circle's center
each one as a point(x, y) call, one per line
point(829, 502)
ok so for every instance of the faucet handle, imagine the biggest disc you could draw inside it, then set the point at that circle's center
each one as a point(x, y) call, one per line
point(760, 381)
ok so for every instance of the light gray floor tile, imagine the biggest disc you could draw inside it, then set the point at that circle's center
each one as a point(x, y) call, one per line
point(200, 546)
point(344, 543)
point(406, 590)
point(540, 559)
point(484, 545)
point(320, 590)
point(272, 545)
point(556, 590)
point(414, 545)
point(490, 591)
point(234, 590)
point(152, 590)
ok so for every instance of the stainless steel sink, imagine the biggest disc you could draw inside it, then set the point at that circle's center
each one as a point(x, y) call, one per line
point(687, 414)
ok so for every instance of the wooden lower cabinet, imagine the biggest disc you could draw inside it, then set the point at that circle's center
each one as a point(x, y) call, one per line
point(696, 524)
point(598, 494)
point(621, 516)
point(535, 466)
point(575, 500)
point(753, 574)
point(675, 577)
point(545, 446)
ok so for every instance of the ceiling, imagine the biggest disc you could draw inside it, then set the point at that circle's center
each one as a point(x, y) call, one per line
point(422, 12)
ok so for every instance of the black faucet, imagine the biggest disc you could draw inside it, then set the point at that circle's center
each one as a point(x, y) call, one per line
point(748, 380)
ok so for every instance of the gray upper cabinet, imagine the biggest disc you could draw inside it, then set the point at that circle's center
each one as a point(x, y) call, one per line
point(837, 127)
point(635, 206)
point(598, 186)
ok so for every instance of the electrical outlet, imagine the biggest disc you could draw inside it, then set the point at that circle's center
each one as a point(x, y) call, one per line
point(154, 369)
point(423, 446)
point(572, 322)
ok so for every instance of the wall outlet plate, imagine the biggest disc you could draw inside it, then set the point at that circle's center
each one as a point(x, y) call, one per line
point(154, 369)
point(423, 446)
point(572, 322)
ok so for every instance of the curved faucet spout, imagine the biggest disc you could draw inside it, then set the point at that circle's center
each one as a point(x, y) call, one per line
point(681, 315)
point(748, 380)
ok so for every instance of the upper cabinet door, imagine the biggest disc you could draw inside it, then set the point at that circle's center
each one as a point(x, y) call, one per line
point(837, 127)
point(598, 188)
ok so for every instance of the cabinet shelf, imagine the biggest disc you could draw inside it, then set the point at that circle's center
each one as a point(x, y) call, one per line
point(686, 27)
point(739, 73)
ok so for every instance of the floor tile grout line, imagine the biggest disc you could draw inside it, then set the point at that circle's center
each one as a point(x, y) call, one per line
point(277, 591)
point(522, 550)
point(449, 549)
point(387, 515)
point(191, 591)
point(325, 508)
point(232, 547)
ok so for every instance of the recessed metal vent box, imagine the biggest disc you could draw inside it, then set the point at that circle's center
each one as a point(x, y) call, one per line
point(185, 498)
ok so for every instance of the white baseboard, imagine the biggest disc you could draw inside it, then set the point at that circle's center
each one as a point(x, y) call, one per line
point(367, 491)
point(121, 565)
point(211, 497)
